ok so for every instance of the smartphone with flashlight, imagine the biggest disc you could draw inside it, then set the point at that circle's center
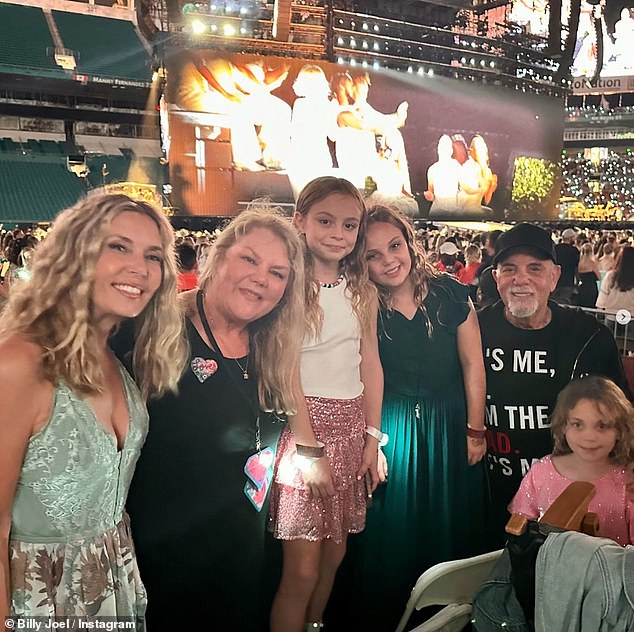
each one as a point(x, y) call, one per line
point(368, 489)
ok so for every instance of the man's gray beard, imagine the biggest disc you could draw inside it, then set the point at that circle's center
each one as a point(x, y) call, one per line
point(522, 309)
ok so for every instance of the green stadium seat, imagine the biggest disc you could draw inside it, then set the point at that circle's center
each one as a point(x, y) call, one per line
point(107, 47)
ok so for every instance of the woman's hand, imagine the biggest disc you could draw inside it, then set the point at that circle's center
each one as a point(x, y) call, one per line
point(476, 449)
point(318, 479)
point(369, 462)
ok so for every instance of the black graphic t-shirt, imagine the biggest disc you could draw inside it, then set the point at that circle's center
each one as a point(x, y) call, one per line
point(525, 370)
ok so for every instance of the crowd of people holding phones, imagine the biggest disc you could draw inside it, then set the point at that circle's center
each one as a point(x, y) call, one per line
point(284, 425)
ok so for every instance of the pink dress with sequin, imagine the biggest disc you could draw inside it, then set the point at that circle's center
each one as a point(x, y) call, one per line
point(334, 394)
point(543, 483)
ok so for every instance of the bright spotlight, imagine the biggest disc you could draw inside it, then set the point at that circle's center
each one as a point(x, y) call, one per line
point(198, 27)
point(228, 30)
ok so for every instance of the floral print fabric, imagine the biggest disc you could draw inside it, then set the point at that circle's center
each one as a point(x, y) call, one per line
point(70, 549)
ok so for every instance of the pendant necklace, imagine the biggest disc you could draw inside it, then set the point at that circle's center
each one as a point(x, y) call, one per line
point(244, 369)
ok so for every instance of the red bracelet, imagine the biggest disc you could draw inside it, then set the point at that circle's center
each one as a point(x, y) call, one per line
point(476, 434)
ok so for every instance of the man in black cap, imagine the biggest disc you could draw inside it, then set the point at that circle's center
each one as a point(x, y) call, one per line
point(532, 348)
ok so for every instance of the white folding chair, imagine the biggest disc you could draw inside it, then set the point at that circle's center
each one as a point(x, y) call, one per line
point(453, 585)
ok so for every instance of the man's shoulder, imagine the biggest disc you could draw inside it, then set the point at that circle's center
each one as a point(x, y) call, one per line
point(573, 316)
point(494, 311)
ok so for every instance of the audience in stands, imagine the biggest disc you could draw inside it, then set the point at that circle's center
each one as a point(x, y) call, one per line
point(187, 267)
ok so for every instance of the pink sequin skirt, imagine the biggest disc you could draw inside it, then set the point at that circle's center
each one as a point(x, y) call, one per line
point(294, 514)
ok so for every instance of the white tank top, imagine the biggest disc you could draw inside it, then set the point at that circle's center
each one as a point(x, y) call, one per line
point(330, 363)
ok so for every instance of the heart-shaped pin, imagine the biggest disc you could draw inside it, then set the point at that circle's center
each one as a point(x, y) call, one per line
point(203, 368)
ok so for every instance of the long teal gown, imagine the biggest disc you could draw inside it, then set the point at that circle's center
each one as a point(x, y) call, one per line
point(430, 510)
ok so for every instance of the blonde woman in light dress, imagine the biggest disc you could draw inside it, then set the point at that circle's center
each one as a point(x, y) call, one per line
point(72, 420)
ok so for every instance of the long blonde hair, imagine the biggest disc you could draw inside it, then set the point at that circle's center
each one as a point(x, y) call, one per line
point(353, 266)
point(54, 308)
point(275, 338)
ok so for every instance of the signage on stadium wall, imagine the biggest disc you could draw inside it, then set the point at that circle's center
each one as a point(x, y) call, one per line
point(604, 85)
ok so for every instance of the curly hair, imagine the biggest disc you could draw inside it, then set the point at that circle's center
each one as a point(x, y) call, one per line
point(275, 338)
point(612, 403)
point(54, 309)
point(353, 266)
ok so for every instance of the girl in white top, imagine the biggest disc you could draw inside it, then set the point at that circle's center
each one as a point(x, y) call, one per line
point(323, 476)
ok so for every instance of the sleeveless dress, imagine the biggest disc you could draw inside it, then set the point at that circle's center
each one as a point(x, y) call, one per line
point(70, 549)
point(430, 509)
point(200, 543)
point(332, 385)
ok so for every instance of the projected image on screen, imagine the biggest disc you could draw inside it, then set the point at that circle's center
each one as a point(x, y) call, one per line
point(247, 126)
point(614, 18)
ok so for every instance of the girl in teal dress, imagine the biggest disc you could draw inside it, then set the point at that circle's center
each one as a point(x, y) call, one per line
point(430, 508)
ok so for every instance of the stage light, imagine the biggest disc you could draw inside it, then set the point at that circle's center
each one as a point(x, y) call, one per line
point(376, 46)
point(353, 42)
point(421, 70)
point(353, 62)
point(430, 72)
point(340, 41)
point(364, 45)
point(376, 28)
point(213, 28)
point(376, 65)
point(340, 60)
point(410, 69)
point(198, 27)
point(228, 30)
point(364, 64)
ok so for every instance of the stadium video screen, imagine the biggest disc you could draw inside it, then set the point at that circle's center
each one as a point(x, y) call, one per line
point(238, 127)
point(615, 18)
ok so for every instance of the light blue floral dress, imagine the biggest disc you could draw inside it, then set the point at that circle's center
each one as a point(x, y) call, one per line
point(70, 548)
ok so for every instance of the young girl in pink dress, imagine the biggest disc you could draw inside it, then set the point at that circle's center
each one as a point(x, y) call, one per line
point(327, 463)
point(593, 436)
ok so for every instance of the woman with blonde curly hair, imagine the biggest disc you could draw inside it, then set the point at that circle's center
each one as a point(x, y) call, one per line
point(72, 420)
point(198, 498)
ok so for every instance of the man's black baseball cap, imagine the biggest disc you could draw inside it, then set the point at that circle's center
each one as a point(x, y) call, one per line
point(524, 237)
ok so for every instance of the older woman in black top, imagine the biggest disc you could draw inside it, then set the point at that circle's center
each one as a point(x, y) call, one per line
point(197, 498)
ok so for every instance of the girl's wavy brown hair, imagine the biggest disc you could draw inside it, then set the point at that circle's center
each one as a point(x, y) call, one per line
point(612, 403)
point(353, 267)
point(54, 308)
